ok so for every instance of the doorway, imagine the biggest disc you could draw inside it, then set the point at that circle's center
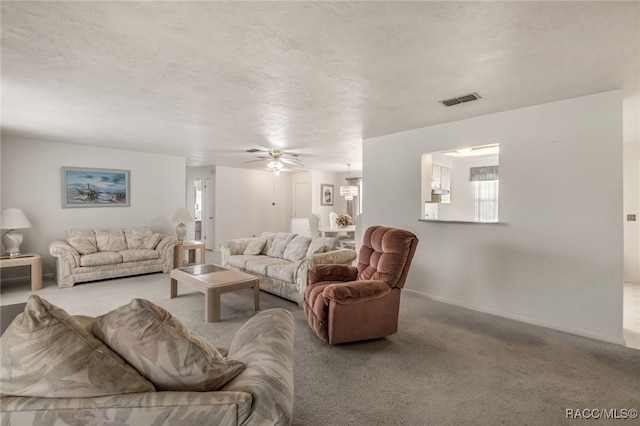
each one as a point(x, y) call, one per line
point(208, 213)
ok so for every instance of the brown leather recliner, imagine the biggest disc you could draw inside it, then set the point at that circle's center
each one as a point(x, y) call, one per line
point(346, 303)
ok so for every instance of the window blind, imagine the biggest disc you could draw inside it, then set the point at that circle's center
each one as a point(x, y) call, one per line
point(484, 173)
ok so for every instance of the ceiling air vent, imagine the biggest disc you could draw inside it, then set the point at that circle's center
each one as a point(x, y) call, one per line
point(460, 99)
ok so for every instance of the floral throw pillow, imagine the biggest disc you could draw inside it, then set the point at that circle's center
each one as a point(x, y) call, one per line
point(48, 353)
point(255, 246)
point(110, 240)
point(137, 237)
point(297, 248)
point(163, 350)
point(83, 240)
point(279, 244)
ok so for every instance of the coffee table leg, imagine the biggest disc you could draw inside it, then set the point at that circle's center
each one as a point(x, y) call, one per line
point(174, 288)
point(256, 295)
point(212, 305)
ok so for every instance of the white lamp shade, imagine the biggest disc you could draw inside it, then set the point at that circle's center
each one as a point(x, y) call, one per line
point(14, 218)
point(182, 215)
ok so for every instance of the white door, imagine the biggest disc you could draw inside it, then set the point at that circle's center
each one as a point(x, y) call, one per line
point(208, 222)
point(302, 200)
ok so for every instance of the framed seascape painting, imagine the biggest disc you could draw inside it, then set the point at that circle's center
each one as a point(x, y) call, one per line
point(326, 194)
point(84, 187)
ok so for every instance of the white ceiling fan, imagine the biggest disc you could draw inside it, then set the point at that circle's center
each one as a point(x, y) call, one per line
point(276, 159)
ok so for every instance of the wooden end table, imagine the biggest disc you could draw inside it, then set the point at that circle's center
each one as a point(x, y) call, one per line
point(213, 280)
point(190, 247)
point(32, 260)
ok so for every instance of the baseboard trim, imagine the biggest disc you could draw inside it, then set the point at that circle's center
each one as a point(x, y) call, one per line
point(521, 318)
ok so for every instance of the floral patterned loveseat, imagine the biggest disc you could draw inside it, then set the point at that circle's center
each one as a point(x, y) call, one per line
point(96, 254)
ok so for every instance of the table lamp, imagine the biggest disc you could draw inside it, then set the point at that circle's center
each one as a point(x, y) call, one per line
point(12, 219)
point(182, 216)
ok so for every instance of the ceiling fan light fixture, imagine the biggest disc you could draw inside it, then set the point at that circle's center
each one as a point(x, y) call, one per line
point(274, 164)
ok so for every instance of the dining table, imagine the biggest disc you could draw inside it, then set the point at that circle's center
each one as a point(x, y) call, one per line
point(334, 231)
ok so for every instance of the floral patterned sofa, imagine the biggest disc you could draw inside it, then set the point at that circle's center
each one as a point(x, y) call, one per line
point(138, 365)
point(95, 254)
point(281, 260)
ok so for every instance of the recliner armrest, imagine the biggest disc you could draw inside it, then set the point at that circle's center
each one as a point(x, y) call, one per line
point(355, 291)
point(332, 272)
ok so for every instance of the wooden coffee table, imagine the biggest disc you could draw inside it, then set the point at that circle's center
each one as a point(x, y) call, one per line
point(213, 280)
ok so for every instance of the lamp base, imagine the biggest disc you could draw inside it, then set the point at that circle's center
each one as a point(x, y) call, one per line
point(12, 240)
point(181, 232)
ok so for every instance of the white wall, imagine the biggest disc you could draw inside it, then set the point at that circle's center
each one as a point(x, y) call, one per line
point(31, 180)
point(631, 183)
point(244, 203)
point(556, 257)
point(339, 204)
point(632, 206)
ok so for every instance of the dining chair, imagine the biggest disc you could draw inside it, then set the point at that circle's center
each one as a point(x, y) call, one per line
point(314, 224)
point(332, 219)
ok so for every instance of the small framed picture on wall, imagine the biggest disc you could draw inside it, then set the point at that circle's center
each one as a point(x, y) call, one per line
point(326, 194)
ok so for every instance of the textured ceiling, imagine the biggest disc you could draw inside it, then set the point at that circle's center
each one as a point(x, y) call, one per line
point(208, 80)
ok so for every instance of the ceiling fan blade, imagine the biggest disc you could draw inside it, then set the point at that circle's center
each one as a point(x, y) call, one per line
point(291, 161)
point(253, 161)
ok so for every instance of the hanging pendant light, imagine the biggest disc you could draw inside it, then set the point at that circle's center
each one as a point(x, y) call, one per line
point(348, 191)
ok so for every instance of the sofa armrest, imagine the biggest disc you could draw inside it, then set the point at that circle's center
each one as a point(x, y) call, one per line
point(340, 257)
point(67, 258)
point(355, 291)
point(334, 257)
point(133, 409)
point(166, 243)
point(233, 248)
point(65, 253)
point(332, 272)
point(265, 344)
point(166, 249)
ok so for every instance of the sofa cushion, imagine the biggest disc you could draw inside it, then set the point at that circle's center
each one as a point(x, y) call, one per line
point(271, 236)
point(83, 240)
point(101, 258)
point(283, 271)
point(137, 237)
point(260, 264)
point(139, 255)
point(297, 248)
point(48, 353)
point(240, 260)
point(152, 241)
point(279, 244)
point(322, 245)
point(162, 349)
point(255, 246)
point(110, 240)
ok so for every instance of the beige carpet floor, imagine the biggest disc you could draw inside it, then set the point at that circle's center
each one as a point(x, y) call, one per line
point(446, 365)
